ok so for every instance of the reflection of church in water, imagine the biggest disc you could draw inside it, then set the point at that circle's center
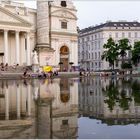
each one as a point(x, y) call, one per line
point(96, 101)
point(39, 109)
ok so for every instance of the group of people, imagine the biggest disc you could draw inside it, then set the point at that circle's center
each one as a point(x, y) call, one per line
point(84, 73)
point(3, 67)
point(39, 74)
point(49, 74)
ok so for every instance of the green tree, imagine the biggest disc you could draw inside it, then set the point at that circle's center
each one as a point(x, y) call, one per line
point(111, 52)
point(136, 53)
point(123, 46)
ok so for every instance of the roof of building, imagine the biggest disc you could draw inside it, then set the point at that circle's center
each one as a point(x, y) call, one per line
point(111, 24)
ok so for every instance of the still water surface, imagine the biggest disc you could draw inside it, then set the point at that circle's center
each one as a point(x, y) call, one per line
point(70, 108)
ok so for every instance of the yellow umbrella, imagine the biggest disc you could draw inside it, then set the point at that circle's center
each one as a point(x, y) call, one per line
point(47, 68)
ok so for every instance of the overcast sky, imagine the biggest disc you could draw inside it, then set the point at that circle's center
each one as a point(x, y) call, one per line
point(92, 12)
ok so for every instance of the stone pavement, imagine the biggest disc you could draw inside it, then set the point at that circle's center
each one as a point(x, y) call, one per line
point(17, 75)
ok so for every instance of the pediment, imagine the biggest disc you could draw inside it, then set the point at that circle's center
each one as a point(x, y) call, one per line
point(7, 17)
point(64, 14)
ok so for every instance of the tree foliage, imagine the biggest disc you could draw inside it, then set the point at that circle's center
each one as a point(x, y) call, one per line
point(111, 52)
point(123, 46)
point(114, 50)
point(136, 53)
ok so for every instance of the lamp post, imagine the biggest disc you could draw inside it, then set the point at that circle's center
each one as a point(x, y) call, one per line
point(71, 63)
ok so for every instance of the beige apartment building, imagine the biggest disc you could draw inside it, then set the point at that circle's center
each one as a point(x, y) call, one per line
point(92, 39)
point(51, 30)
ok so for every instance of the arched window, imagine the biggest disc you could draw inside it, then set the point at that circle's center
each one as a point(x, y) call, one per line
point(64, 50)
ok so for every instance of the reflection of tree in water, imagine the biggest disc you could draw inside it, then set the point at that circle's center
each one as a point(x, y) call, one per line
point(115, 95)
point(136, 91)
point(112, 93)
point(124, 100)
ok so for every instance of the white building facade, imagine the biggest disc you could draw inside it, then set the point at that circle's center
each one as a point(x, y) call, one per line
point(92, 39)
point(51, 30)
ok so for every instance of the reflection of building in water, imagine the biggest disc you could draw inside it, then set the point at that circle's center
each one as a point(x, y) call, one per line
point(65, 110)
point(91, 97)
point(95, 100)
point(38, 109)
point(16, 109)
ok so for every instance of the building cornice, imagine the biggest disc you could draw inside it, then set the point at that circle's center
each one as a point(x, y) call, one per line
point(64, 33)
point(13, 24)
point(109, 30)
point(18, 18)
point(71, 9)
point(13, 6)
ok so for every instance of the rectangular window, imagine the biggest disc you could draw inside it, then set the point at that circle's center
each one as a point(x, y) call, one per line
point(64, 25)
point(99, 64)
point(92, 45)
point(92, 37)
point(95, 45)
point(99, 45)
point(92, 56)
point(116, 35)
point(99, 55)
point(95, 36)
point(129, 34)
point(136, 34)
point(92, 65)
point(95, 55)
point(64, 122)
point(123, 35)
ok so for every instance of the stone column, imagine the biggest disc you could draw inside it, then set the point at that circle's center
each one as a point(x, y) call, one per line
point(28, 49)
point(6, 103)
point(17, 47)
point(43, 23)
point(5, 46)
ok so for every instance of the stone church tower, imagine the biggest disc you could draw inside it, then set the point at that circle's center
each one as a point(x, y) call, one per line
point(57, 34)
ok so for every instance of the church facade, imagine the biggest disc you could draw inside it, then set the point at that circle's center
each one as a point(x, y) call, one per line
point(50, 30)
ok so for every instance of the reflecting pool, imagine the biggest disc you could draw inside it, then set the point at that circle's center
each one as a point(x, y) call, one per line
point(70, 108)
